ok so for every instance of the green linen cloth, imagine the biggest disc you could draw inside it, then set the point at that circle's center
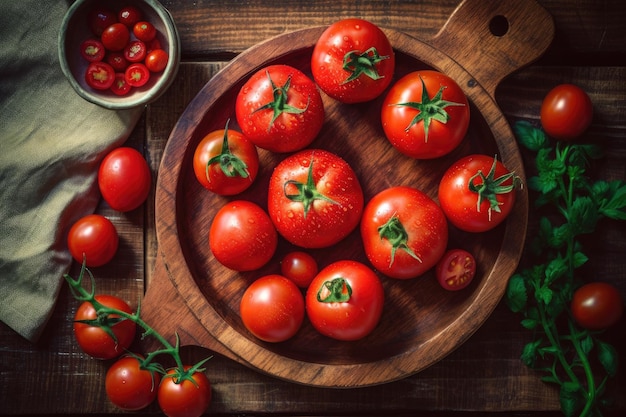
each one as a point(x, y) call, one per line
point(51, 143)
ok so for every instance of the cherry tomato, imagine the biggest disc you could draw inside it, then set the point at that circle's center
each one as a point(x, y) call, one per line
point(300, 267)
point(314, 198)
point(120, 87)
point(477, 193)
point(128, 386)
point(566, 112)
point(242, 236)
point(280, 109)
point(144, 31)
point(154, 44)
point(272, 308)
point(353, 61)
point(425, 115)
point(226, 162)
point(95, 341)
point(117, 61)
point(456, 269)
point(135, 51)
point(129, 15)
point(156, 60)
point(92, 50)
point(101, 18)
point(345, 300)
point(597, 306)
point(99, 75)
point(404, 232)
point(124, 179)
point(94, 237)
point(182, 397)
point(137, 74)
point(115, 37)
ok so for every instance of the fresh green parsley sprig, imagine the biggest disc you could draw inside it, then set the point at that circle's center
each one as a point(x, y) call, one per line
point(575, 359)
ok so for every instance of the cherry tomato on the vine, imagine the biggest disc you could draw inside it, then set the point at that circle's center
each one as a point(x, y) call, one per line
point(456, 269)
point(566, 112)
point(94, 238)
point(226, 162)
point(182, 397)
point(345, 300)
point(314, 198)
point(272, 308)
point(404, 232)
point(280, 109)
point(477, 193)
point(425, 114)
point(242, 236)
point(353, 61)
point(300, 267)
point(128, 386)
point(91, 337)
point(597, 305)
point(124, 179)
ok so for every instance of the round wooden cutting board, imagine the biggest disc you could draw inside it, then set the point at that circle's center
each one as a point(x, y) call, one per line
point(482, 42)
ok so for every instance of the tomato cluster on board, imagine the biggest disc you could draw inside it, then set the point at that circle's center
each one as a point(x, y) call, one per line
point(123, 52)
point(315, 199)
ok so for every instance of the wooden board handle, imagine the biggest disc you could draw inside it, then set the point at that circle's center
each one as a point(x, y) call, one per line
point(491, 39)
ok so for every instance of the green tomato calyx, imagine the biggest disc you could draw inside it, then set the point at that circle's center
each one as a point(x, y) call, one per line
point(397, 236)
point(357, 63)
point(336, 290)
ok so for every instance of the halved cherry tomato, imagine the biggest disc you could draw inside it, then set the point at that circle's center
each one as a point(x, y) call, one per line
point(117, 61)
point(156, 60)
point(137, 74)
point(135, 51)
point(99, 75)
point(92, 50)
point(115, 37)
point(456, 269)
point(144, 31)
point(120, 87)
point(129, 15)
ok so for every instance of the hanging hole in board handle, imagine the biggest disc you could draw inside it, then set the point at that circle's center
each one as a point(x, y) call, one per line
point(499, 26)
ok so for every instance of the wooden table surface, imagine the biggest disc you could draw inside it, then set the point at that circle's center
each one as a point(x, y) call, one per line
point(482, 375)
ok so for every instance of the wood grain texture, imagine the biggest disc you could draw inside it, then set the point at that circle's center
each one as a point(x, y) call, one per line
point(484, 374)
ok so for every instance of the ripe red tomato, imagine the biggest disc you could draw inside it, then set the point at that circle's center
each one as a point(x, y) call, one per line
point(115, 37)
point(404, 232)
point(156, 60)
point(129, 15)
point(137, 74)
point(226, 162)
point(144, 31)
point(95, 341)
point(99, 75)
point(135, 51)
point(179, 397)
point(425, 115)
point(272, 308)
point(128, 386)
point(597, 306)
point(117, 61)
point(345, 300)
point(242, 236)
point(456, 269)
point(566, 112)
point(124, 179)
point(353, 61)
point(300, 267)
point(92, 50)
point(314, 198)
point(477, 193)
point(101, 18)
point(93, 237)
point(280, 109)
point(120, 87)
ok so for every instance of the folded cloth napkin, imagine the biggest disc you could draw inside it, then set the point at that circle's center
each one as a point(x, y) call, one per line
point(51, 143)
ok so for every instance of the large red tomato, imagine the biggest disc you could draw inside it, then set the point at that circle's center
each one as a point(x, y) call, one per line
point(404, 232)
point(124, 179)
point(353, 61)
point(226, 162)
point(280, 109)
point(314, 198)
point(89, 332)
point(345, 300)
point(477, 193)
point(242, 236)
point(425, 115)
point(272, 308)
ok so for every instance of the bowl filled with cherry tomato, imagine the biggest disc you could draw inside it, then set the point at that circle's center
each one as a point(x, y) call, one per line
point(119, 54)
